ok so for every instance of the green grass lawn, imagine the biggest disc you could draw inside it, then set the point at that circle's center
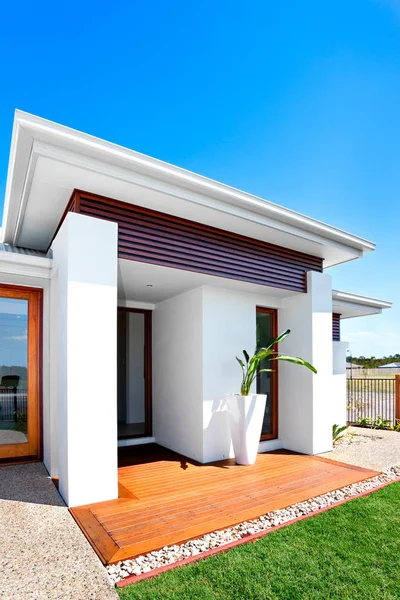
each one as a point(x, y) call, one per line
point(348, 553)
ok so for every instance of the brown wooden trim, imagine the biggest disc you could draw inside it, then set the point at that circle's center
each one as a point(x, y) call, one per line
point(274, 376)
point(31, 449)
point(397, 398)
point(77, 202)
point(159, 238)
point(148, 403)
point(103, 545)
point(205, 228)
point(40, 374)
point(336, 327)
point(148, 315)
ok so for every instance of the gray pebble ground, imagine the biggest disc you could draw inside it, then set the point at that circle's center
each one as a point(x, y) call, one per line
point(43, 554)
point(369, 448)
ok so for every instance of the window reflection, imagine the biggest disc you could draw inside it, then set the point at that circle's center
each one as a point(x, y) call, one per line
point(265, 380)
point(13, 371)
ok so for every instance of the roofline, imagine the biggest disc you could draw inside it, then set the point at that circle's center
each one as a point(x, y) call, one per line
point(358, 299)
point(25, 264)
point(30, 126)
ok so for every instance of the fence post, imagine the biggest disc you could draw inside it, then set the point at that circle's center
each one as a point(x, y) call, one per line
point(15, 404)
point(397, 397)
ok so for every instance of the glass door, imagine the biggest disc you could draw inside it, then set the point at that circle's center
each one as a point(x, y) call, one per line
point(20, 312)
point(134, 373)
point(267, 383)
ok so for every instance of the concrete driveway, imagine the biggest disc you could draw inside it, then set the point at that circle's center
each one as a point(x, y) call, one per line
point(43, 554)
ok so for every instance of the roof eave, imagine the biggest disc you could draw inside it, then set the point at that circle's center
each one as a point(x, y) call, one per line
point(361, 300)
point(28, 128)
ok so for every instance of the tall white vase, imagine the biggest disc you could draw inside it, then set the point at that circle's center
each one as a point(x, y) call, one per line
point(246, 415)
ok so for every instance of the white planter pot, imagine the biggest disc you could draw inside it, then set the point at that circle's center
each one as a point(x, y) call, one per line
point(246, 414)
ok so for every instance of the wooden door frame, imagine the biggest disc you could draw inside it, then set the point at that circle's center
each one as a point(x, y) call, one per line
point(148, 380)
point(33, 448)
point(274, 376)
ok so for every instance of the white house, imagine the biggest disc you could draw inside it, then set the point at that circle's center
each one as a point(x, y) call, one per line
point(127, 287)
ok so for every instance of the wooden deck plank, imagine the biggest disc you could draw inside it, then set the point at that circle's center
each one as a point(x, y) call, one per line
point(167, 499)
point(194, 500)
point(231, 511)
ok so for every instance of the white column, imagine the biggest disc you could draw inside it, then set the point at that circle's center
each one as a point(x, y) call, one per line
point(177, 373)
point(229, 326)
point(339, 401)
point(305, 399)
point(86, 258)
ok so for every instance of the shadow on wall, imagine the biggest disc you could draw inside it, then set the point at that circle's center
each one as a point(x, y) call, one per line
point(217, 444)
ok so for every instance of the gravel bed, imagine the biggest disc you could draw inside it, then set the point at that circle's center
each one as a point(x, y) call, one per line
point(377, 449)
point(172, 554)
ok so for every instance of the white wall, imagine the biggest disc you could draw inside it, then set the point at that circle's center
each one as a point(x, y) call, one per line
point(177, 373)
point(85, 258)
point(339, 400)
point(196, 337)
point(305, 399)
point(229, 327)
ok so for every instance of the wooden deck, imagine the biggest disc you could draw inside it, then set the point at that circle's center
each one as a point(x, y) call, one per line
point(167, 499)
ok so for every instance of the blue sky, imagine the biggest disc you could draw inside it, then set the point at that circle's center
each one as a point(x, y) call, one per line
point(297, 102)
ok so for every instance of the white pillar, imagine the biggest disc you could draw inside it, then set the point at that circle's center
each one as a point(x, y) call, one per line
point(305, 399)
point(86, 259)
point(339, 401)
point(229, 326)
point(177, 373)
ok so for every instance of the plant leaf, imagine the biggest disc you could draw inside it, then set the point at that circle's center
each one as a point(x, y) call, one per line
point(247, 357)
point(263, 353)
point(295, 360)
point(241, 363)
point(279, 339)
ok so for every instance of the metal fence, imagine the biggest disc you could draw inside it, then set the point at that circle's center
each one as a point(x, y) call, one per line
point(370, 398)
point(357, 372)
point(13, 404)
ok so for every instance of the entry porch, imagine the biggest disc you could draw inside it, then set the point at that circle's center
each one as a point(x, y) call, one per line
point(166, 498)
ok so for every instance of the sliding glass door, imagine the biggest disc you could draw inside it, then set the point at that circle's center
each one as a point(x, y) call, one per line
point(20, 315)
point(267, 383)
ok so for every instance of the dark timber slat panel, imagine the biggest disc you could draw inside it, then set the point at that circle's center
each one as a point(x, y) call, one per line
point(336, 327)
point(167, 499)
point(158, 238)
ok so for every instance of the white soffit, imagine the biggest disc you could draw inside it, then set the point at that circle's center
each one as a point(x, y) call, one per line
point(352, 305)
point(48, 161)
point(146, 283)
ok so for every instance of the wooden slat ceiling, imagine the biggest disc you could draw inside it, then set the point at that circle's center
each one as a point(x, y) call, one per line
point(336, 327)
point(158, 238)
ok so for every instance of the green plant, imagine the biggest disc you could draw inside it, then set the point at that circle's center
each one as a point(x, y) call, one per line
point(378, 423)
point(365, 422)
point(381, 423)
point(396, 426)
point(338, 432)
point(251, 366)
